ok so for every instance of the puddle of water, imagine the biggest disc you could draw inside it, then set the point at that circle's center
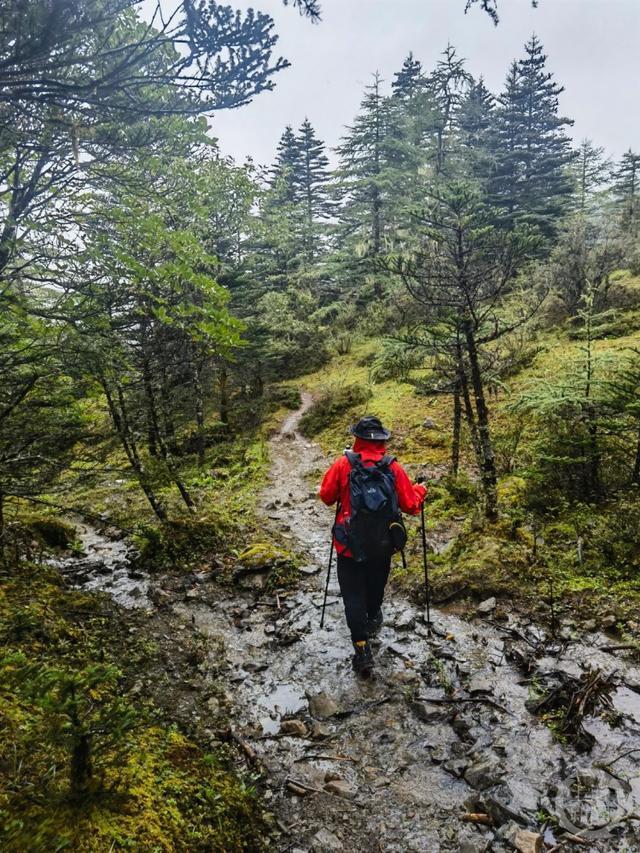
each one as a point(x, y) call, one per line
point(284, 699)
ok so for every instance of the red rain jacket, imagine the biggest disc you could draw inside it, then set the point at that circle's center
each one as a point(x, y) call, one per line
point(335, 484)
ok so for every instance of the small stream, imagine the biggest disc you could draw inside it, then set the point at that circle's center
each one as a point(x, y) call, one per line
point(392, 764)
point(105, 566)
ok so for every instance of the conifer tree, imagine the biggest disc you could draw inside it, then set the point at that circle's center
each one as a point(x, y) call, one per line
point(410, 80)
point(447, 85)
point(591, 172)
point(475, 125)
point(364, 179)
point(531, 182)
point(282, 180)
point(626, 189)
point(311, 182)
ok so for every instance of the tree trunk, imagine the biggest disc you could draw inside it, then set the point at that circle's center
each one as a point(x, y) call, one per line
point(635, 478)
point(165, 408)
point(196, 368)
point(224, 393)
point(121, 425)
point(150, 413)
point(489, 478)
point(468, 410)
point(81, 770)
point(457, 424)
point(2, 542)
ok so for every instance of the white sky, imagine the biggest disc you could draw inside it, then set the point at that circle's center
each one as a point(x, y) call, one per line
point(592, 45)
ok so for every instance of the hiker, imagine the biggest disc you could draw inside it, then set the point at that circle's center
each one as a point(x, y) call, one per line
point(371, 489)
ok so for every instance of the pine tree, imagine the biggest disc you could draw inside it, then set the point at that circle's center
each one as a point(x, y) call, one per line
point(282, 173)
point(531, 182)
point(626, 189)
point(447, 85)
point(410, 80)
point(591, 172)
point(364, 180)
point(475, 126)
point(311, 178)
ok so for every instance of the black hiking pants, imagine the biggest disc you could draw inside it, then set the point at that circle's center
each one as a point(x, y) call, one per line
point(362, 587)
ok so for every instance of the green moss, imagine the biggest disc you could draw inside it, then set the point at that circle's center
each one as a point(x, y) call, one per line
point(51, 531)
point(334, 403)
point(153, 789)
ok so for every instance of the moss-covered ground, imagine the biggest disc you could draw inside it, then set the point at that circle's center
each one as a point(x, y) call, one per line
point(70, 666)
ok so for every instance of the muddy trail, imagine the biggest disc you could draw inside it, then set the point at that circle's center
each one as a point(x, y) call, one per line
point(445, 750)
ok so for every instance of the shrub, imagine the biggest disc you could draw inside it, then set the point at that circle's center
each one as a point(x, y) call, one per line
point(331, 405)
point(51, 531)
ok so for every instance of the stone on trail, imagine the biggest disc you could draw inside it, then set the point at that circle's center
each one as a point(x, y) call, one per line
point(326, 842)
point(487, 606)
point(484, 774)
point(322, 705)
point(341, 789)
point(480, 684)
point(430, 713)
point(295, 728)
point(527, 842)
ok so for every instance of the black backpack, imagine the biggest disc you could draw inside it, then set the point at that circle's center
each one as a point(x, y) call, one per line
point(375, 525)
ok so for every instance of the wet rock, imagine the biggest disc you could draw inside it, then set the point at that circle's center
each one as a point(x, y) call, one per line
point(430, 713)
point(309, 570)
point(429, 423)
point(294, 728)
point(332, 776)
point(456, 767)
point(341, 789)
point(484, 774)
point(322, 705)
point(405, 620)
point(527, 842)
point(590, 626)
point(487, 606)
point(326, 842)
point(160, 597)
point(320, 730)
point(480, 684)
point(192, 594)
point(609, 621)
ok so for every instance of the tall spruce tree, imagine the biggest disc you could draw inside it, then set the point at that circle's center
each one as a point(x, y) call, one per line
point(531, 183)
point(311, 179)
point(591, 171)
point(447, 85)
point(363, 183)
point(282, 180)
point(626, 190)
point(475, 126)
point(410, 80)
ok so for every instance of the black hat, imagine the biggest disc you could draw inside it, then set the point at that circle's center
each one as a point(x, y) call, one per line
point(371, 428)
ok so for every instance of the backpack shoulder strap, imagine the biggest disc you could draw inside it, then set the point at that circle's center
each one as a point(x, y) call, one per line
point(387, 460)
point(354, 458)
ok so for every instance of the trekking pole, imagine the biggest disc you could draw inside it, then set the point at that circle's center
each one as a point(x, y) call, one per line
point(326, 586)
point(427, 591)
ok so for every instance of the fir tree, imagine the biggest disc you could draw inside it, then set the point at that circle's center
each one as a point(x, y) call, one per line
point(531, 182)
point(409, 81)
point(591, 172)
point(447, 85)
point(626, 189)
point(282, 180)
point(475, 126)
point(311, 180)
point(364, 178)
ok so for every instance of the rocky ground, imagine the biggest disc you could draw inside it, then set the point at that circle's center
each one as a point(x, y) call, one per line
point(463, 742)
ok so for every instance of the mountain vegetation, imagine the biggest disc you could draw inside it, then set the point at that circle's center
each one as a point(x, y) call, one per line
point(458, 264)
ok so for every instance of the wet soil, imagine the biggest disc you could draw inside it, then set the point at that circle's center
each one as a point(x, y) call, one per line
point(398, 762)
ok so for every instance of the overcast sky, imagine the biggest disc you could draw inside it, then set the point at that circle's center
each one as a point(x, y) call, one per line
point(592, 47)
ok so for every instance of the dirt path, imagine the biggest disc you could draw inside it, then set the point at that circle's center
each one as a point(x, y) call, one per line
point(392, 764)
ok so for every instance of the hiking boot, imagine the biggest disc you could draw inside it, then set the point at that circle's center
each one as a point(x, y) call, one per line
point(375, 623)
point(362, 660)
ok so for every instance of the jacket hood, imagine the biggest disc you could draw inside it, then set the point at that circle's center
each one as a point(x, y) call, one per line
point(370, 448)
